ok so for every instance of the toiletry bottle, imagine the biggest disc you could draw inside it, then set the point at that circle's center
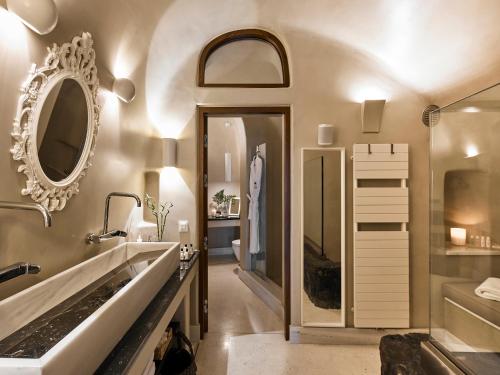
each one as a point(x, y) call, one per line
point(483, 241)
point(191, 250)
point(488, 242)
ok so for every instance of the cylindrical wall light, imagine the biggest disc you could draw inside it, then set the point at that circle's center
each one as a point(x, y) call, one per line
point(124, 89)
point(227, 167)
point(39, 15)
point(169, 152)
point(325, 134)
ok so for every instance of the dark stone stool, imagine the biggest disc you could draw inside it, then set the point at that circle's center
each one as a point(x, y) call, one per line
point(401, 354)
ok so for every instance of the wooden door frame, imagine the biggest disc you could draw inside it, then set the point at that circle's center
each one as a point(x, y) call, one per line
point(203, 112)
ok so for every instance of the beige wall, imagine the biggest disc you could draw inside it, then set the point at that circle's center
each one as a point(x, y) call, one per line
point(122, 141)
point(222, 139)
point(333, 65)
point(324, 74)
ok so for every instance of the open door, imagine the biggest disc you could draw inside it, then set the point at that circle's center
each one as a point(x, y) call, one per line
point(202, 179)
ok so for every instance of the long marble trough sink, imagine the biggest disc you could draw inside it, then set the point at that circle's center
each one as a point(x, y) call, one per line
point(70, 322)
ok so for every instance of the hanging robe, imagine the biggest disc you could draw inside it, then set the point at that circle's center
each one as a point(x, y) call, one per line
point(253, 209)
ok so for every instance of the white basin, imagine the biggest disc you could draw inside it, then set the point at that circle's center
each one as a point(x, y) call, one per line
point(84, 348)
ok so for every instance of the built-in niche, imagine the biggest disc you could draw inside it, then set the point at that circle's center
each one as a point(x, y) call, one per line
point(244, 58)
point(467, 202)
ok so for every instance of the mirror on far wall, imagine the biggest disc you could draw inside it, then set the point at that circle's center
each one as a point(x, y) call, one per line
point(62, 129)
point(323, 237)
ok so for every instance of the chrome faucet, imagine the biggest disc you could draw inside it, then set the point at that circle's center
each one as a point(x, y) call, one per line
point(47, 217)
point(106, 234)
point(19, 269)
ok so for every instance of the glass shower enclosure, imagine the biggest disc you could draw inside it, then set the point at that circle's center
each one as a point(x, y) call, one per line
point(465, 232)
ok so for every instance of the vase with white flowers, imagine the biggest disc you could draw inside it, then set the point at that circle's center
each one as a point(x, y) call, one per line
point(160, 211)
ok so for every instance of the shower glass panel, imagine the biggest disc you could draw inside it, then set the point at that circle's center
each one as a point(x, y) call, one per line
point(465, 232)
point(323, 237)
point(264, 141)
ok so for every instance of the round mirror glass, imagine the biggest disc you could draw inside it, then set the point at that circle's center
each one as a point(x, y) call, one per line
point(62, 129)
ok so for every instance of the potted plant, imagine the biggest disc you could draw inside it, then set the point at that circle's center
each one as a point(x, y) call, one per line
point(222, 201)
point(160, 211)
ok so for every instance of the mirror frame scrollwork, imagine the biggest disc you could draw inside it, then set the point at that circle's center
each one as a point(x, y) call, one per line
point(74, 60)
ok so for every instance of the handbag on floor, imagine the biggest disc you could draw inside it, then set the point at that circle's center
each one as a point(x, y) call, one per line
point(178, 360)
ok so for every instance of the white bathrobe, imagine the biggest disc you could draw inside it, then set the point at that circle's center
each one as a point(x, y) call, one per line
point(253, 209)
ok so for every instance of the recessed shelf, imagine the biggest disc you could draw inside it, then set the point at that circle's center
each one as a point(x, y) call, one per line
point(472, 251)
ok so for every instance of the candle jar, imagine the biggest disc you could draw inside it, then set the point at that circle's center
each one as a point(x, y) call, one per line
point(458, 236)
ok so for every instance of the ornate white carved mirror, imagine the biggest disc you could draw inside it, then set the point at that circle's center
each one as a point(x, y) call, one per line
point(56, 124)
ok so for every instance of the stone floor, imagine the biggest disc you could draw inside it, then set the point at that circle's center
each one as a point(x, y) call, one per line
point(269, 354)
point(233, 310)
point(245, 337)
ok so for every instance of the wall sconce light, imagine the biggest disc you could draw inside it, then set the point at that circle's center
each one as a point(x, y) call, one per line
point(124, 89)
point(471, 151)
point(227, 167)
point(39, 15)
point(371, 115)
point(325, 134)
point(169, 152)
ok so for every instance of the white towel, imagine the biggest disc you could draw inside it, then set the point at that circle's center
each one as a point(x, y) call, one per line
point(489, 289)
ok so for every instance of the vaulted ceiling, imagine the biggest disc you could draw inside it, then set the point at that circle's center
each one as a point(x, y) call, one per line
point(434, 46)
point(442, 49)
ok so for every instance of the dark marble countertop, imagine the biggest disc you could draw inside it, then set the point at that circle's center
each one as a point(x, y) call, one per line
point(123, 355)
point(222, 218)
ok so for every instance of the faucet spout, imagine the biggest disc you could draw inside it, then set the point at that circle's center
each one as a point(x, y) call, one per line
point(107, 234)
point(47, 217)
point(108, 199)
point(18, 269)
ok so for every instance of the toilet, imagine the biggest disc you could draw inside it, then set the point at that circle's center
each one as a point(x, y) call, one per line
point(236, 249)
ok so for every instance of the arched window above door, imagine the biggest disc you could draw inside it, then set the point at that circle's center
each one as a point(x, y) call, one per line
point(244, 58)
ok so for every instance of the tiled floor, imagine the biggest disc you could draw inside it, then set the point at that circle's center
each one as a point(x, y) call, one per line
point(245, 337)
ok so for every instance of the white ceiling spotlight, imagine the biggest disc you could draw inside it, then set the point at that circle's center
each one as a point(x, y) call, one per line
point(124, 89)
point(39, 15)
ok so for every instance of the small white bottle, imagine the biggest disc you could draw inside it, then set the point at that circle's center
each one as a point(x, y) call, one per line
point(488, 242)
point(191, 250)
point(483, 241)
point(477, 241)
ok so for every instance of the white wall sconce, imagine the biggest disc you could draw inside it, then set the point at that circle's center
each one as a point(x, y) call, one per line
point(325, 134)
point(471, 151)
point(371, 115)
point(169, 152)
point(39, 15)
point(124, 89)
point(227, 167)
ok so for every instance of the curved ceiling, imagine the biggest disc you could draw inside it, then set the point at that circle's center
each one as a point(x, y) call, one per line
point(435, 47)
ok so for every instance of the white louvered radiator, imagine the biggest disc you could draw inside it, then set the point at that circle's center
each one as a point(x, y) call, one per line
point(381, 241)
